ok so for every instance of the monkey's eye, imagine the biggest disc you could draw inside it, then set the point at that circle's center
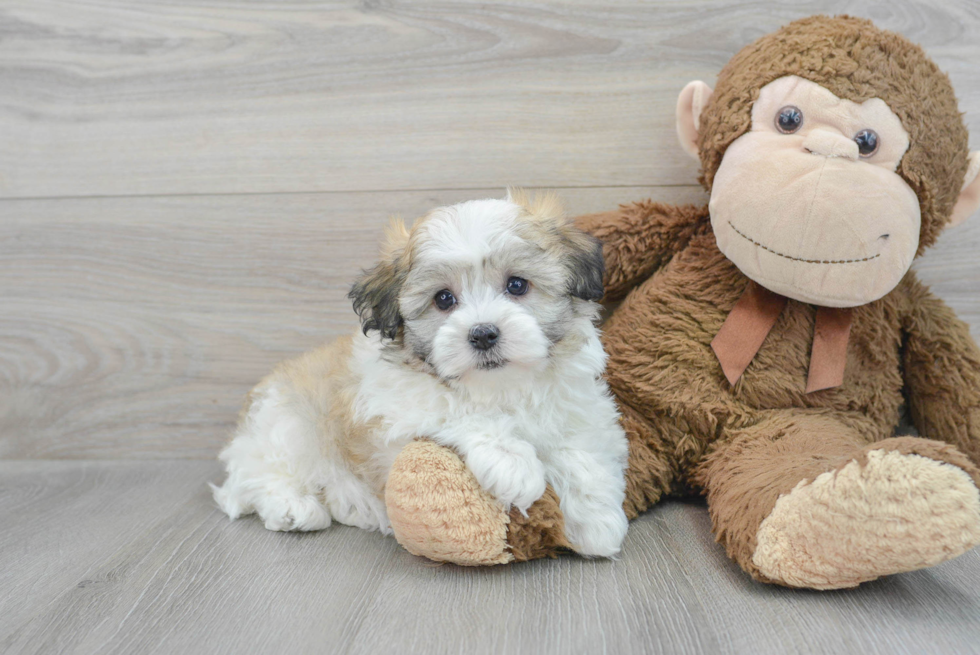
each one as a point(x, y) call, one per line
point(517, 286)
point(789, 119)
point(867, 141)
point(445, 299)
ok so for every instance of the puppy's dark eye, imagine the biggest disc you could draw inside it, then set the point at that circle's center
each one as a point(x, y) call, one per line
point(517, 286)
point(867, 141)
point(789, 119)
point(445, 299)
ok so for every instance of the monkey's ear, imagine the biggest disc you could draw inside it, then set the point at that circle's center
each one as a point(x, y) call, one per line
point(692, 100)
point(969, 200)
point(375, 293)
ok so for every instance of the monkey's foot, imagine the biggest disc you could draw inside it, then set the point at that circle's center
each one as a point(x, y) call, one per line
point(438, 510)
point(890, 513)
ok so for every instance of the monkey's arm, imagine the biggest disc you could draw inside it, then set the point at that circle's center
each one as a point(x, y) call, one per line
point(639, 238)
point(941, 365)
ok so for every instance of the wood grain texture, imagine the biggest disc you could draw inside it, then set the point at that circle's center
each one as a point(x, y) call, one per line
point(62, 520)
point(135, 559)
point(114, 97)
point(186, 192)
point(132, 326)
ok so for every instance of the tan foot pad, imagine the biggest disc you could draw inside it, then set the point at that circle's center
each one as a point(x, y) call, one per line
point(438, 510)
point(897, 513)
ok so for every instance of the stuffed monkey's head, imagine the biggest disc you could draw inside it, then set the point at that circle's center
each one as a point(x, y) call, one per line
point(834, 153)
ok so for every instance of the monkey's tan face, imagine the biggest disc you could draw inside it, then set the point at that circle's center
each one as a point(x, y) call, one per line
point(808, 203)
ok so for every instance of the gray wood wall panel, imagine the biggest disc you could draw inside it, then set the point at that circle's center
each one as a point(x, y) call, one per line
point(195, 173)
point(111, 97)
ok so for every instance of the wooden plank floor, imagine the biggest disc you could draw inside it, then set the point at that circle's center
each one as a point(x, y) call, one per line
point(187, 189)
point(133, 558)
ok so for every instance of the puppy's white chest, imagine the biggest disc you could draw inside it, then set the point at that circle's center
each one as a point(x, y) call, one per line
point(413, 404)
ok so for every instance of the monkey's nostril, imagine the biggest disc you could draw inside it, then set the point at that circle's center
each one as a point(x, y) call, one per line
point(484, 336)
point(884, 237)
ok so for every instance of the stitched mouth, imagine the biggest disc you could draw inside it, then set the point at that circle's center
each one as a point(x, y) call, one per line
point(800, 259)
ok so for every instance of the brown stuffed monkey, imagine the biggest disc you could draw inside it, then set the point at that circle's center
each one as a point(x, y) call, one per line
point(767, 343)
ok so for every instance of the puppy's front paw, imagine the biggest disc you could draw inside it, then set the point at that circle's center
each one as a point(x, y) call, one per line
point(513, 474)
point(595, 532)
point(293, 512)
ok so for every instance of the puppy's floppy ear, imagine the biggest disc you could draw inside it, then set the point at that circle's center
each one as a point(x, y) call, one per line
point(585, 264)
point(580, 252)
point(375, 293)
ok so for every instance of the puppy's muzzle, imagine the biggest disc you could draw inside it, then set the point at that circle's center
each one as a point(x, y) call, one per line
point(484, 336)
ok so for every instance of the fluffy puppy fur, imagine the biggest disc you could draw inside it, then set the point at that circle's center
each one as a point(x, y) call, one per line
point(454, 350)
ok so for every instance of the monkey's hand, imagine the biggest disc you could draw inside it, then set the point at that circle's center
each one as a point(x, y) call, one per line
point(941, 365)
point(639, 238)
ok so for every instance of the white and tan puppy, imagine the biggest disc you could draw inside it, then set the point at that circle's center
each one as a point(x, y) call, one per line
point(479, 334)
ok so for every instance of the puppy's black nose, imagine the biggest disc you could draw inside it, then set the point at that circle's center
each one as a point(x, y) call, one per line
point(484, 337)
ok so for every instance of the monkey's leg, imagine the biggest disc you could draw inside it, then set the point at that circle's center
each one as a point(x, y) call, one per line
point(438, 510)
point(801, 499)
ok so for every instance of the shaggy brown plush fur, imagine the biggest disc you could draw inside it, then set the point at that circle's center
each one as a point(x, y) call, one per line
point(744, 447)
point(747, 445)
point(539, 534)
